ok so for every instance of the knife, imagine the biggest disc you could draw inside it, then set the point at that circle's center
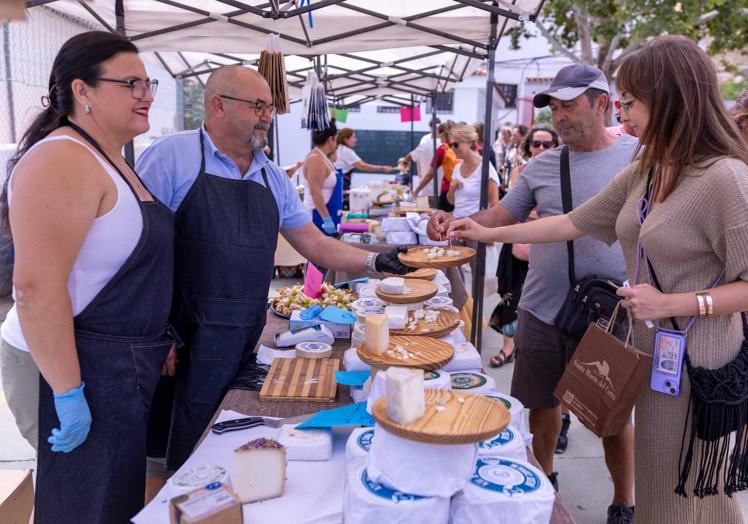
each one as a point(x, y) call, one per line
point(251, 422)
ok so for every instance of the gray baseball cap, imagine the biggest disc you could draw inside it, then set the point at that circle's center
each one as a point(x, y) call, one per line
point(570, 82)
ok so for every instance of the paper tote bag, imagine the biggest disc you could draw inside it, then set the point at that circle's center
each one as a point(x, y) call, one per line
point(603, 380)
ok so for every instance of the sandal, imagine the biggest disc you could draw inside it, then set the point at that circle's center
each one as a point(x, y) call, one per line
point(500, 359)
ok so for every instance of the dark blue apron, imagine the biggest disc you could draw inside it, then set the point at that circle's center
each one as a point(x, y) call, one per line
point(334, 205)
point(122, 342)
point(226, 232)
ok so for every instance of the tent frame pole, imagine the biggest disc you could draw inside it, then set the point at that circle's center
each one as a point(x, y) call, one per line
point(476, 330)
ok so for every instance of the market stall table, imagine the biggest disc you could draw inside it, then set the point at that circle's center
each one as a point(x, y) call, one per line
point(248, 402)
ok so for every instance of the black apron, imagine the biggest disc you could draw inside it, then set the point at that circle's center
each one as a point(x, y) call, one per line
point(226, 232)
point(122, 343)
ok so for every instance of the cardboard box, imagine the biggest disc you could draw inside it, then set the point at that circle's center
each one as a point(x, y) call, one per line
point(216, 503)
point(338, 330)
point(16, 496)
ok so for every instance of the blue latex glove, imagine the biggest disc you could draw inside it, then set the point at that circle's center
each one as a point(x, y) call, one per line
point(311, 312)
point(75, 420)
point(328, 226)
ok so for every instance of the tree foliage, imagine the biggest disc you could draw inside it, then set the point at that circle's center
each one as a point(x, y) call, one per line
point(603, 32)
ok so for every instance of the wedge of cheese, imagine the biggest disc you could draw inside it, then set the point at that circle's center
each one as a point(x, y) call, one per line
point(377, 333)
point(397, 316)
point(259, 471)
point(405, 394)
point(392, 286)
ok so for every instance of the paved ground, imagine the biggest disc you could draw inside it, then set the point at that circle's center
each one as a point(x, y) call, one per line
point(584, 481)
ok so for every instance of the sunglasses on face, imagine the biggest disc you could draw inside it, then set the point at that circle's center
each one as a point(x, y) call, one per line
point(546, 144)
point(454, 145)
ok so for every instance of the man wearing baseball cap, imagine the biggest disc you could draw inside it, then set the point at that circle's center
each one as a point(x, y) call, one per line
point(579, 99)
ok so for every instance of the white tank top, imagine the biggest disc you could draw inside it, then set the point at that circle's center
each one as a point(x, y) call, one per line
point(108, 244)
point(328, 185)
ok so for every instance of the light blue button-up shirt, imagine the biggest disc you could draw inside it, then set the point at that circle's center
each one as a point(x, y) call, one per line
point(171, 164)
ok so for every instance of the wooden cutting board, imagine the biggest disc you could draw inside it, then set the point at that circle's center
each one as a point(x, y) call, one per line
point(291, 379)
point(473, 419)
point(416, 257)
point(420, 291)
point(444, 324)
point(429, 353)
point(406, 210)
point(426, 273)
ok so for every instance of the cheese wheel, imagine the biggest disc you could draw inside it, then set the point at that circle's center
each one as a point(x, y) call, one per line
point(509, 444)
point(473, 382)
point(517, 491)
point(431, 470)
point(366, 501)
point(392, 285)
point(313, 350)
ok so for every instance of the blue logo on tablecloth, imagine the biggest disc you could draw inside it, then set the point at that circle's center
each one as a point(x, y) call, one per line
point(386, 493)
point(502, 439)
point(364, 439)
point(505, 476)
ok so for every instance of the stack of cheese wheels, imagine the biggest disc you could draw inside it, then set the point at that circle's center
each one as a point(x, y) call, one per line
point(513, 489)
point(367, 501)
point(358, 444)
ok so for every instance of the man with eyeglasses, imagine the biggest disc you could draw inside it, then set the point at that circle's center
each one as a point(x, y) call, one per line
point(579, 98)
point(230, 202)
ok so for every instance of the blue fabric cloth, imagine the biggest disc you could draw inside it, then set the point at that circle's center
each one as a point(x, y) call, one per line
point(170, 166)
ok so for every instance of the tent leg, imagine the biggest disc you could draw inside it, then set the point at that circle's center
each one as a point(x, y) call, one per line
point(433, 137)
point(476, 331)
point(412, 146)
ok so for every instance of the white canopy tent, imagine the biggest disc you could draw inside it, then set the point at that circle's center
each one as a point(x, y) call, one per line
point(396, 50)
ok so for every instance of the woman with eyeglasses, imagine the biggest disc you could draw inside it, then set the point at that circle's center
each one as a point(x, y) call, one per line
point(680, 212)
point(86, 341)
point(513, 258)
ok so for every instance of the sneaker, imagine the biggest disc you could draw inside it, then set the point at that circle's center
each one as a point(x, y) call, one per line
point(553, 477)
point(563, 438)
point(620, 514)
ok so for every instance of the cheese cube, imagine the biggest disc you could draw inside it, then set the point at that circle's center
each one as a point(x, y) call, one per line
point(259, 471)
point(393, 285)
point(406, 401)
point(397, 316)
point(377, 334)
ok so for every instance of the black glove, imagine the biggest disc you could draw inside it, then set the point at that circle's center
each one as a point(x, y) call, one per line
point(389, 262)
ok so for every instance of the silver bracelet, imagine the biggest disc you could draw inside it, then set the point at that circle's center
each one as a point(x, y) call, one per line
point(370, 258)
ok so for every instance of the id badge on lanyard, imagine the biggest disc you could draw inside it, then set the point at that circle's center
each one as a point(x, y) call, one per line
point(667, 361)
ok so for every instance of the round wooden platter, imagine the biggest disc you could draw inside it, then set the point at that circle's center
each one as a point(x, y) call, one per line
point(416, 257)
point(445, 323)
point(426, 273)
point(471, 420)
point(420, 291)
point(429, 353)
point(405, 210)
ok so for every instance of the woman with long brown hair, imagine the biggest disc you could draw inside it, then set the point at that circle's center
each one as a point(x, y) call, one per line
point(680, 213)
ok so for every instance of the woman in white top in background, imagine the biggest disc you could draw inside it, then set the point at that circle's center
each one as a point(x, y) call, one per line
point(348, 161)
point(92, 285)
point(321, 181)
point(464, 190)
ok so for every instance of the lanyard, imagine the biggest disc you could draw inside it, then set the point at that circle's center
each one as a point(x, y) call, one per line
point(644, 207)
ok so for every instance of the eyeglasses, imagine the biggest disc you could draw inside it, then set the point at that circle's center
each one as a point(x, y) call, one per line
point(627, 104)
point(454, 145)
point(138, 86)
point(546, 144)
point(258, 105)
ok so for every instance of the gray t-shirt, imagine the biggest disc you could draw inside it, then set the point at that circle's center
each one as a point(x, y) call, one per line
point(539, 186)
